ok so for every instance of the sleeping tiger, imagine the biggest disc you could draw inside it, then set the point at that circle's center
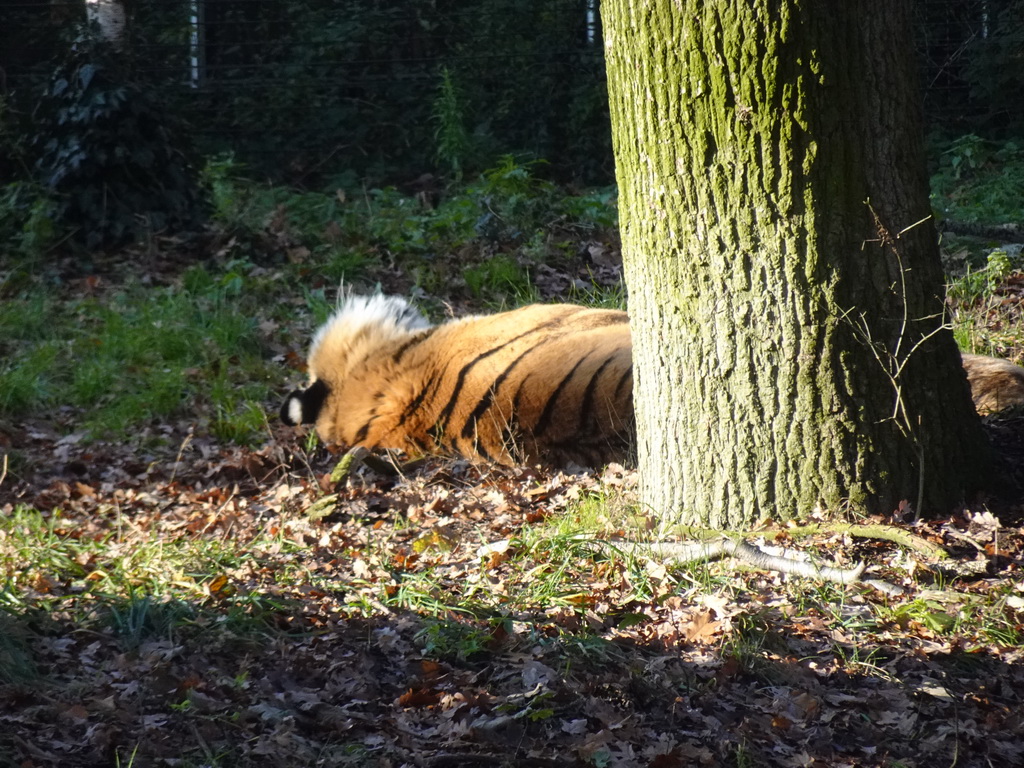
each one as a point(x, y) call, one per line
point(548, 383)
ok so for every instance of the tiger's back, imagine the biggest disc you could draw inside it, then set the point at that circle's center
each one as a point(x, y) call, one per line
point(550, 383)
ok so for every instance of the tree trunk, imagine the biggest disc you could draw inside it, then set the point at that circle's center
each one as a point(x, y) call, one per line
point(785, 289)
point(109, 18)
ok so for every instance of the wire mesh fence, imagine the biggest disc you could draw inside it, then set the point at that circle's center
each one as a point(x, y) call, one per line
point(304, 89)
point(373, 87)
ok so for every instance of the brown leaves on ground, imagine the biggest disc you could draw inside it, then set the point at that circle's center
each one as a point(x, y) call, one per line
point(406, 625)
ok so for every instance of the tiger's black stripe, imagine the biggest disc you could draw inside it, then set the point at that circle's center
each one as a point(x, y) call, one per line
point(626, 378)
point(482, 451)
point(516, 403)
point(485, 402)
point(432, 384)
point(364, 431)
point(419, 338)
point(585, 422)
point(549, 407)
point(446, 413)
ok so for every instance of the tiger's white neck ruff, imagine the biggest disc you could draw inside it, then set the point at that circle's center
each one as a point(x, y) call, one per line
point(386, 316)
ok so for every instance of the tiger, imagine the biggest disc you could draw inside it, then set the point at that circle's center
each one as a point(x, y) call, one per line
point(546, 383)
point(996, 384)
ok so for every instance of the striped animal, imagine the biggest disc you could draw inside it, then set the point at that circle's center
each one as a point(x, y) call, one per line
point(547, 383)
point(996, 384)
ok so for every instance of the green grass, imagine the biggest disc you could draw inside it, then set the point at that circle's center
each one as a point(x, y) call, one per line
point(549, 566)
point(982, 321)
point(140, 585)
point(139, 354)
point(141, 618)
point(500, 279)
point(981, 182)
point(348, 231)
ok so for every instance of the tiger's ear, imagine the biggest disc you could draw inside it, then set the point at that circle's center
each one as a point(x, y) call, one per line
point(303, 405)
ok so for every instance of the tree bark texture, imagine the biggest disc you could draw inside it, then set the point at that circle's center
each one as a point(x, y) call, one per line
point(785, 289)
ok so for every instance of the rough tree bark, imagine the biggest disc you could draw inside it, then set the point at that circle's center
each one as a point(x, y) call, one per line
point(785, 289)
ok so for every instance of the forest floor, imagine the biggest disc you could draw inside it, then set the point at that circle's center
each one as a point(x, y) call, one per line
point(178, 598)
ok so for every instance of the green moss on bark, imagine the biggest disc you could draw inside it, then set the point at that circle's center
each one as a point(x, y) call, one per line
point(768, 318)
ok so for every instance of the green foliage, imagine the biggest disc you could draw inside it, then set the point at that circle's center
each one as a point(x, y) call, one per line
point(979, 181)
point(513, 201)
point(304, 89)
point(347, 232)
point(27, 211)
point(139, 354)
point(454, 146)
point(499, 276)
point(453, 639)
point(140, 618)
point(507, 204)
point(594, 209)
point(975, 285)
point(232, 199)
point(926, 612)
point(112, 155)
point(27, 219)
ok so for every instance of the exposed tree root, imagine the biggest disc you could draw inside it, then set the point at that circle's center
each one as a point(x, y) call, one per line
point(874, 531)
point(702, 544)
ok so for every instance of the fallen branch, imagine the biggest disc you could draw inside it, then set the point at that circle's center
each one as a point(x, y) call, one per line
point(857, 530)
point(1005, 233)
point(693, 551)
point(712, 549)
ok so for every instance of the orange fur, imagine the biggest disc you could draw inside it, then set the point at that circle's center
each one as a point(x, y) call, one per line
point(548, 383)
point(995, 384)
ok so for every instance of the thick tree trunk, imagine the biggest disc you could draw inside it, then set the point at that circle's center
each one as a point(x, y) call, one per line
point(785, 289)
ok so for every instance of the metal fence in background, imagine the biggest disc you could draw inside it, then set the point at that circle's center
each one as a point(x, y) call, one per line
point(294, 86)
point(305, 88)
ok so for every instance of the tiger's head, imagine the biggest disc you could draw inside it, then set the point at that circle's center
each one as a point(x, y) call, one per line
point(359, 326)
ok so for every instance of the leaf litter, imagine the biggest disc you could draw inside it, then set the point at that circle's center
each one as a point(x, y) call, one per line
point(405, 627)
point(212, 604)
